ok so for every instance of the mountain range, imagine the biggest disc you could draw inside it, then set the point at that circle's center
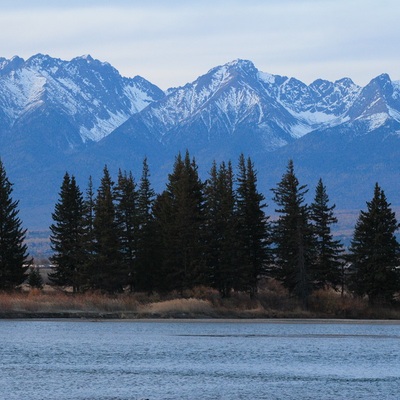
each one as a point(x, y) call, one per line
point(79, 115)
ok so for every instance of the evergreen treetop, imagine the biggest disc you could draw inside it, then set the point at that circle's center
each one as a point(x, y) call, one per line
point(329, 252)
point(375, 251)
point(293, 236)
point(14, 258)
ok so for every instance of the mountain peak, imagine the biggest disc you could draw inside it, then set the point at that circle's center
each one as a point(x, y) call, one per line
point(40, 58)
point(240, 63)
point(9, 65)
point(235, 67)
point(86, 57)
point(381, 85)
point(382, 78)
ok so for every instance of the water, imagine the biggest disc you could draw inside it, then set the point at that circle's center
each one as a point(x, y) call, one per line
point(198, 360)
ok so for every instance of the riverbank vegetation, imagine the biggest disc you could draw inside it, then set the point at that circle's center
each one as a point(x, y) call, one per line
point(124, 242)
point(272, 301)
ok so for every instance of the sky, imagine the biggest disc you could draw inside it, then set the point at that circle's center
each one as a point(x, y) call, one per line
point(172, 42)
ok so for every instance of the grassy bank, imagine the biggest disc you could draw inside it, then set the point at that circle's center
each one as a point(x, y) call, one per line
point(271, 302)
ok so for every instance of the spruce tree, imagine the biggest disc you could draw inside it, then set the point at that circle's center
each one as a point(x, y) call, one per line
point(220, 229)
point(35, 280)
point(14, 258)
point(89, 239)
point(374, 251)
point(328, 255)
point(68, 236)
point(146, 250)
point(293, 237)
point(253, 229)
point(128, 224)
point(179, 220)
point(106, 273)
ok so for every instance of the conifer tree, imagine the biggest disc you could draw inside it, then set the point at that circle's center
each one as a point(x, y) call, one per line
point(35, 280)
point(89, 240)
point(89, 209)
point(253, 229)
point(128, 224)
point(179, 219)
point(220, 229)
point(375, 251)
point(293, 236)
point(328, 255)
point(14, 259)
point(68, 236)
point(106, 272)
point(146, 251)
point(165, 272)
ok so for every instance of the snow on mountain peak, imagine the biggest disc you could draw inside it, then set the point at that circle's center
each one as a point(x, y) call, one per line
point(96, 99)
point(92, 94)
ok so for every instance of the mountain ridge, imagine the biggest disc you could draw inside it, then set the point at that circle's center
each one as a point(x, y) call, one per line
point(78, 115)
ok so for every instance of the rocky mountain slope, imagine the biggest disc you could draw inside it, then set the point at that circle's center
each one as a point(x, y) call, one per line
point(78, 115)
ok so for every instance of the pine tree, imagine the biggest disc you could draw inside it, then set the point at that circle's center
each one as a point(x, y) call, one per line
point(253, 229)
point(35, 280)
point(89, 239)
point(328, 256)
point(106, 272)
point(128, 224)
point(375, 251)
point(220, 229)
point(146, 251)
point(293, 237)
point(14, 259)
point(179, 219)
point(68, 236)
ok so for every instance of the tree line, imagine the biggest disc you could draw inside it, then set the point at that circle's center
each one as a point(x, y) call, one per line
point(215, 233)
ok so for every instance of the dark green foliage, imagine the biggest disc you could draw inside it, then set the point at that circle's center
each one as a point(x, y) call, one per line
point(146, 250)
point(253, 230)
point(293, 237)
point(214, 233)
point(68, 234)
point(89, 203)
point(34, 278)
point(220, 229)
point(328, 255)
point(374, 251)
point(14, 260)
point(107, 273)
point(128, 223)
point(178, 215)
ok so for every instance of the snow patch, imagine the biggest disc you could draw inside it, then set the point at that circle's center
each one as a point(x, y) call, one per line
point(267, 78)
point(376, 120)
point(395, 114)
point(103, 127)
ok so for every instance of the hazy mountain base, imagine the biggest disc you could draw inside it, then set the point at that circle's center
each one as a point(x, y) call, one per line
point(272, 302)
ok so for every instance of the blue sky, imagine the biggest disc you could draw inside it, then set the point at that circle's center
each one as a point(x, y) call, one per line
point(172, 42)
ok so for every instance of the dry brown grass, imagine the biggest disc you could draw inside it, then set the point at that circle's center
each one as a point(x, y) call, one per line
point(38, 301)
point(177, 307)
point(272, 301)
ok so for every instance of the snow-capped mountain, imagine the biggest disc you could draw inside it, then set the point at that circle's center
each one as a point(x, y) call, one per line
point(237, 103)
point(91, 94)
point(78, 115)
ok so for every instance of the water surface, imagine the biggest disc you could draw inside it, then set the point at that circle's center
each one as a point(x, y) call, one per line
point(198, 360)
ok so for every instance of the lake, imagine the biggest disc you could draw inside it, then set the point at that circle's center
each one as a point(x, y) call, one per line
point(119, 360)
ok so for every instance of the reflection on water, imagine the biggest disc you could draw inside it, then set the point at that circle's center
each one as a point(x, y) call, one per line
point(198, 360)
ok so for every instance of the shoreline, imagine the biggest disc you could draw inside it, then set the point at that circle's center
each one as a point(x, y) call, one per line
point(117, 317)
point(272, 304)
